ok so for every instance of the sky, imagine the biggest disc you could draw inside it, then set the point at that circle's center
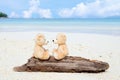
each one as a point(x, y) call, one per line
point(60, 8)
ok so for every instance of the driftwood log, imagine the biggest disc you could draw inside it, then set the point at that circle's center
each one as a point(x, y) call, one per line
point(68, 64)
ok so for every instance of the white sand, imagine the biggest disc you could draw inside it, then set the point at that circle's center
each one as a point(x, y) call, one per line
point(17, 47)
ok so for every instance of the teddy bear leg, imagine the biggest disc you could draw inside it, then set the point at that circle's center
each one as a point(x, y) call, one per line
point(35, 55)
point(46, 55)
point(56, 55)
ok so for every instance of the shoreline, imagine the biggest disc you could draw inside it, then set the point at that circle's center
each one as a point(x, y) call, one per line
point(97, 26)
point(72, 32)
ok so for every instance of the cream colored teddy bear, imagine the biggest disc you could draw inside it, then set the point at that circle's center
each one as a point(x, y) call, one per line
point(62, 49)
point(39, 51)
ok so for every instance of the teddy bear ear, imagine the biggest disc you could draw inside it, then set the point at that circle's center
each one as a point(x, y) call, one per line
point(64, 36)
point(39, 35)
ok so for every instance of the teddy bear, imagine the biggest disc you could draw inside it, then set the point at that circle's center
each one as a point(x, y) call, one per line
point(39, 51)
point(62, 50)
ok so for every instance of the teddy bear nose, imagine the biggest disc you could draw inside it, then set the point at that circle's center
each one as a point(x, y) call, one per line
point(53, 40)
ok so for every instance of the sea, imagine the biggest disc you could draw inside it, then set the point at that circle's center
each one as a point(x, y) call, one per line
point(108, 26)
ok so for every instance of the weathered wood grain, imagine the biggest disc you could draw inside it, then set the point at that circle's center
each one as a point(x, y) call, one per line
point(68, 64)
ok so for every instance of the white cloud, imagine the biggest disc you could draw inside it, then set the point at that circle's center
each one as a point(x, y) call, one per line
point(27, 14)
point(34, 2)
point(14, 15)
point(98, 8)
point(45, 13)
point(35, 9)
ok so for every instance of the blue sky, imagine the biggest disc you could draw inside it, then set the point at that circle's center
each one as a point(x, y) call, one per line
point(60, 8)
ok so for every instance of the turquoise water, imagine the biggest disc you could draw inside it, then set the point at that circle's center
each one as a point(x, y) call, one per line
point(99, 26)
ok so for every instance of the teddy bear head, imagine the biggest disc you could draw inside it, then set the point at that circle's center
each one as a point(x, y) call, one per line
point(60, 39)
point(40, 39)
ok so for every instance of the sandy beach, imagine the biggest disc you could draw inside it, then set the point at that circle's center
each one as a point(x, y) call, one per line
point(17, 47)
